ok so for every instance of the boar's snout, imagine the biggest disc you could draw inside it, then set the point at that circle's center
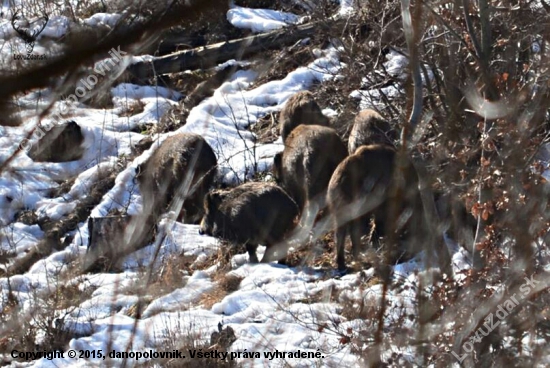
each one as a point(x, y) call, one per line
point(203, 229)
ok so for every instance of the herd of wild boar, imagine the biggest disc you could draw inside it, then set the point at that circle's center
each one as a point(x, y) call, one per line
point(316, 175)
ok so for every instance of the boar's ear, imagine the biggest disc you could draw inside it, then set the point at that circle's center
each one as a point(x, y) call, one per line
point(212, 200)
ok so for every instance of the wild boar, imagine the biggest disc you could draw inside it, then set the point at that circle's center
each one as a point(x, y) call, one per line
point(300, 109)
point(360, 188)
point(304, 168)
point(183, 167)
point(251, 214)
point(370, 127)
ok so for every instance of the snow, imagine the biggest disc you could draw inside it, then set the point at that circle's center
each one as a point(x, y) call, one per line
point(17, 238)
point(223, 120)
point(396, 68)
point(346, 7)
point(103, 19)
point(275, 307)
point(260, 20)
point(196, 287)
point(57, 27)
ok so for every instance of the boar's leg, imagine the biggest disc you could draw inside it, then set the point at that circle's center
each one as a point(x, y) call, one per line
point(379, 231)
point(251, 249)
point(341, 233)
point(284, 253)
point(311, 210)
point(355, 228)
point(269, 254)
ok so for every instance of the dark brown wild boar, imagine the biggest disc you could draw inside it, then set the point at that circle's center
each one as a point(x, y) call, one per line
point(251, 214)
point(304, 168)
point(183, 167)
point(369, 127)
point(300, 109)
point(359, 189)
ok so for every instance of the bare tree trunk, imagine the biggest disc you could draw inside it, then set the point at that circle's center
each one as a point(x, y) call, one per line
point(211, 55)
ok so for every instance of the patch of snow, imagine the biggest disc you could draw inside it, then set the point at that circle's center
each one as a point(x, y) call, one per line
point(260, 20)
point(18, 238)
point(346, 7)
point(196, 287)
point(56, 28)
point(135, 92)
point(103, 19)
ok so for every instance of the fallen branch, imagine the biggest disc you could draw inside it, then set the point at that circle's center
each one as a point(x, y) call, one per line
point(208, 56)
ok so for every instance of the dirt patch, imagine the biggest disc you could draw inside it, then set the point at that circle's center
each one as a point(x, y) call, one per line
point(276, 64)
point(226, 284)
point(63, 188)
point(335, 95)
point(196, 86)
point(259, 4)
point(172, 274)
point(319, 253)
point(27, 217)
point(267, 128)
point(132, 108)
point(6, 256)
point(322, 254)
point(142, 146)
point(186, 81)
point(172, 120)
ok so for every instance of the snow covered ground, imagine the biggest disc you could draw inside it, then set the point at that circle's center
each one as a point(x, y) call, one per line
point(274, 308)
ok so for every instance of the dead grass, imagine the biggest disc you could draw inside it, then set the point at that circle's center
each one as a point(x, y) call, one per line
point(184, 339)
point(225, 282)
point(63, 188)
point(171, 275)
point(132, 107)
point(230, 283)
point(335, 95)
point(225, 285)
point(222, 258)
point(273, 65)
point(365, 309)
point(322, 254)
point(172, 120)
point(42, 327)
point(212, 297)
point(184, 83)
point(72, 295)
point(266, 129)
